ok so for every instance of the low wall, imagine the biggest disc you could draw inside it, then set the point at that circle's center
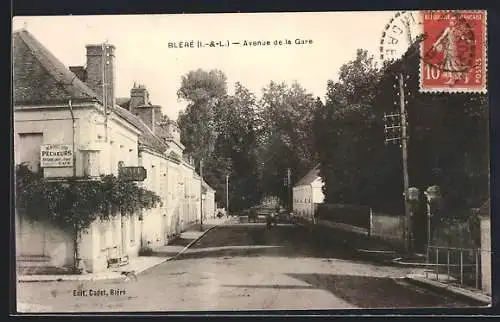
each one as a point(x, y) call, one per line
point(344, 227)
point(352, 215)
point(387, 226)
point(362, 220)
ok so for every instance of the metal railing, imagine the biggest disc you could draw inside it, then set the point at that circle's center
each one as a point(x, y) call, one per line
point(454, 265)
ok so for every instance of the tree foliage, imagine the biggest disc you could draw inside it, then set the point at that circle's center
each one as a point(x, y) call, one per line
point(203, 91)
point(238, 141)
point(286, 114)
point(228, 141)
point(349, 134)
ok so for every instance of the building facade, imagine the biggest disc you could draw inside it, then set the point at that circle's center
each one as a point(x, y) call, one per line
point(75, 109)
point(307, 194)
point(208, 201)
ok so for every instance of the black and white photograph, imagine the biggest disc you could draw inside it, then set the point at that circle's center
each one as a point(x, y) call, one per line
point(222, 162)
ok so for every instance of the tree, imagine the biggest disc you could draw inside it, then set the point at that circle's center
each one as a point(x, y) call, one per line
point(286, 115)
point(240, 137)
point(348, 131)
point(221, 129)
point(203, 91)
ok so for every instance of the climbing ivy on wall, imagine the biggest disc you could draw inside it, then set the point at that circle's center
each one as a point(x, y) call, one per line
point(77, 204)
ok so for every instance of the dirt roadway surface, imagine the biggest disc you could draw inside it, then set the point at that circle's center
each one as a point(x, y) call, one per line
point(246, 267)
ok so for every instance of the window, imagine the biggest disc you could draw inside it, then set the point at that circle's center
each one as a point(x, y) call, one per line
point(28, 149)
point(91, 166)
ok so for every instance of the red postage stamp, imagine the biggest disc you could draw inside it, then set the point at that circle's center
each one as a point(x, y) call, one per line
point(453, 51)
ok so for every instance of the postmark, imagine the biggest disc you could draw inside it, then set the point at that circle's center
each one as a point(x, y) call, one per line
point(401, 32)
point(453, 51)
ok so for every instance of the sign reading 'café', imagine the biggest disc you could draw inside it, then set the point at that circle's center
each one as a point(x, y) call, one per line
point(56, 155)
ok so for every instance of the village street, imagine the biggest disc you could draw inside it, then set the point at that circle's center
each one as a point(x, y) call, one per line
point(248, 267)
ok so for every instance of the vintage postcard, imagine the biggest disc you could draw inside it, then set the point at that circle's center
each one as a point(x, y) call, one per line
point(251, 161)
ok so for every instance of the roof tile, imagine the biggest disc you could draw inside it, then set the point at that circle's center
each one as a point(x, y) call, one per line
point(40, 78)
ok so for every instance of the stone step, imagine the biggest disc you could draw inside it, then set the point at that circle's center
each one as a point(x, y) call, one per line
point(42, 270)
point(32, 261)
point(32, 258)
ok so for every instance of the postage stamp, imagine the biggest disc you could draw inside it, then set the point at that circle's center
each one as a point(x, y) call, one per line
point(453, 51)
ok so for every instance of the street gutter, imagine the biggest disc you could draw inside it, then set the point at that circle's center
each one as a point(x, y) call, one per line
point(190, 244)
point(465, 294)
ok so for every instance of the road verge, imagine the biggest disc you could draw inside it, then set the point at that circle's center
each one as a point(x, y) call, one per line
point(465, 294)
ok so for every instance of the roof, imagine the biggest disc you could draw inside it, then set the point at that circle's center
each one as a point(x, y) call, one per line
point(40, 78)
point(206, 186)
point(123, 102)
point(309, 178)
point(161, 131)
point(147, 138)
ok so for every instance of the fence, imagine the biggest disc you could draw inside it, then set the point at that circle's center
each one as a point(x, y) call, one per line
point(454, 265)
point(353, 215)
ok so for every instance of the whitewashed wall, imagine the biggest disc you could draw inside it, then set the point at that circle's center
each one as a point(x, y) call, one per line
point(302, 201)
point(43, 239)
point(209, 204)
point(155, 221)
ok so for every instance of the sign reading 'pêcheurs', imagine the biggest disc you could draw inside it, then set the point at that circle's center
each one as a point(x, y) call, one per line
point(56, 155)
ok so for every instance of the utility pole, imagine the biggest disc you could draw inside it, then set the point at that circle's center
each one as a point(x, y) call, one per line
point(396, 131)
point(201, 195)
point(227, 194)
point(289, 185)
point(404, 148)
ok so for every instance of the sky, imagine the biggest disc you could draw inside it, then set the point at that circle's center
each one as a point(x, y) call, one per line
point(143, 54)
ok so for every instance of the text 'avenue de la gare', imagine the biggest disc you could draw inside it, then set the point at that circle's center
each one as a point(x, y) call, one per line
point(241, 43)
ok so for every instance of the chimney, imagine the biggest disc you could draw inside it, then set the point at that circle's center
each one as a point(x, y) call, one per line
point(141, 106)
point(101, 71)
point(139, 96)
point(149, 114)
